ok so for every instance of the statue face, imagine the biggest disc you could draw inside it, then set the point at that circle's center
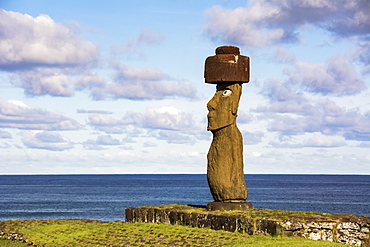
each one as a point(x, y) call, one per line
point(223, 106)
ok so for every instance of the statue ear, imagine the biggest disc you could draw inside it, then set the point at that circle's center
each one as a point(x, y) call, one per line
point(234, 108)
point(235, 100)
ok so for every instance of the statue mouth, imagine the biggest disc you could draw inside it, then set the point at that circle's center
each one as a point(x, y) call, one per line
point(211, 114)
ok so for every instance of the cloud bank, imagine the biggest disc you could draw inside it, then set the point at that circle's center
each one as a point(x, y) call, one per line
point(264, 23)
point(47, 58)
point(137, 83)
point(28, 42)
point(15, 114)
point(46, 140)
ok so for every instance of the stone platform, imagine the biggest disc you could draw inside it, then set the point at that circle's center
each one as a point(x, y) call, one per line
point(341, 228)
point(228, 206)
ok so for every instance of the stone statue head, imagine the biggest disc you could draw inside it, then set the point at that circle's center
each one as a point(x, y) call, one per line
point(223, 106)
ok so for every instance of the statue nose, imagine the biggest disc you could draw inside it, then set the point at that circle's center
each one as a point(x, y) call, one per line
point(212, 104)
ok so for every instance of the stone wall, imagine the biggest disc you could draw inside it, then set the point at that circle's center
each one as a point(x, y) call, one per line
point(354, 233)
point(347, 231)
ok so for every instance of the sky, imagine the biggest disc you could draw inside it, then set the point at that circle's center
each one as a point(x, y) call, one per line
point(117, 87)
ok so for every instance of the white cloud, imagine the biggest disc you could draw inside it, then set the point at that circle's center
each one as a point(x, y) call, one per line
point(361, 53)
point(103, 120)
point(167, 123)
point(252, 138)
point(91, 145)
point(102, 140)
point(28, 42)
point(137, 83)
point(93, 111)
point(90, 80)
point(136, 74)
point(107, 140)
point(105, 123)
point(357, 21)
point(47, 56)
point(134, 48)
point(150, 144)
point(14, 114)
point(361, 128)
point(256, 154)
point(296, 106)
point(244, 117)
point(164, 123)
point(323, 116)
point(278, 91)
point(45, 81)
point(337, 78)
point(241, 26)
point(323, 141)
point(5, 135)
point(166, 118)
point(264, 22)
point(283, 55)
point(46, 140)
point(314, 140)
point(41, 55)
point(175, 137)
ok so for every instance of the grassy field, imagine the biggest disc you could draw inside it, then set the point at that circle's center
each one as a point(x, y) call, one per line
point(116, 233)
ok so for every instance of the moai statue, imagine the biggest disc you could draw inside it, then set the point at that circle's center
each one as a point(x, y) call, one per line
point(225, 169)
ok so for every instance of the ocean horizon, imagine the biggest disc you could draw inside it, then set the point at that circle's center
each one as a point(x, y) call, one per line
point(105, 196)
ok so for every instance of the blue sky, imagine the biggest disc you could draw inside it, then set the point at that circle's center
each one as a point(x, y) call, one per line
point(117, 86)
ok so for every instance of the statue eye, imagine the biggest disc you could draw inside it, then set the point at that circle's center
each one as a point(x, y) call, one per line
point(226, 93)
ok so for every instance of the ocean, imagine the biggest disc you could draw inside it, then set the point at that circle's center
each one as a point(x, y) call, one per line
point(104, 197)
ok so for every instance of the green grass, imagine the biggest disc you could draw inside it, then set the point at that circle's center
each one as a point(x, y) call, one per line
point(116, 233)
point(9, 243)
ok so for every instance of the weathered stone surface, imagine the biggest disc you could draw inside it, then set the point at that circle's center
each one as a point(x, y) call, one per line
point(227, 66)
point(227, 206)
point(225, 168)
point(231, 223)
point(352, 232)
point(291, 225)
point(227, 50)
point(267, 227)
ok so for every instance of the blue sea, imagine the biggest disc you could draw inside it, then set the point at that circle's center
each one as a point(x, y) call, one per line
point(105, 197)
